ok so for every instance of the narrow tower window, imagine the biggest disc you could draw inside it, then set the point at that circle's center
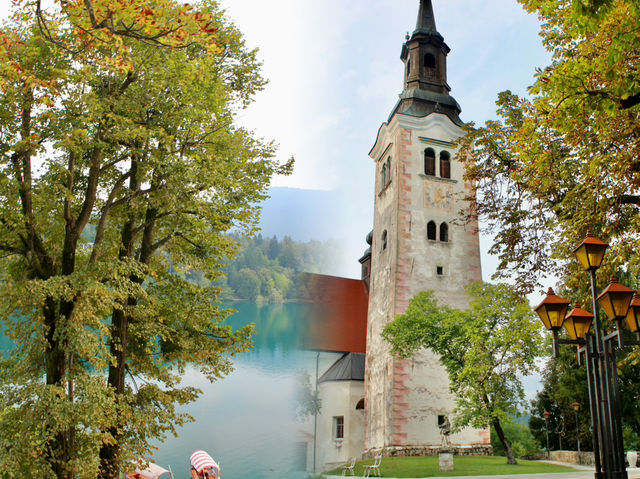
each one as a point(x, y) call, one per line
point(388, 171)
point(429, 162)
point(444, 232)
point(384, 240)
point(445, 164)
point(431, 231)
point(383, 176)
point(408, 67)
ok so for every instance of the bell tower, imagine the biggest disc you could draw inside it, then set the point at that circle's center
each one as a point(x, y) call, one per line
point(417, 244)
point(425, 55)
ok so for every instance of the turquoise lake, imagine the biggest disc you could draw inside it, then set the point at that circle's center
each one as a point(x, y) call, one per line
point(246, 421)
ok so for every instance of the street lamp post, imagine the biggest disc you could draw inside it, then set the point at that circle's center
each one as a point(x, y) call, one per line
point(560, 431)
point(598, 353)
point(546, 426)
point(576, 407)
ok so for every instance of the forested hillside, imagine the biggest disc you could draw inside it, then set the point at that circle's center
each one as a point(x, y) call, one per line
point(268, 269)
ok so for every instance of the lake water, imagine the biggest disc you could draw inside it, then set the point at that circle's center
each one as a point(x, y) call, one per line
point(246, 420)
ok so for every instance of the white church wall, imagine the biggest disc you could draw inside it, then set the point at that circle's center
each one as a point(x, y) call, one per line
point(339, 399)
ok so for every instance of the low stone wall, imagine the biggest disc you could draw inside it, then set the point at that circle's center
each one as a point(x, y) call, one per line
point(571, 457)
point(406, 451)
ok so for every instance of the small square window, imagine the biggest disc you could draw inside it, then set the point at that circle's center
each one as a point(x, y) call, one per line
point(338, 427)
point(440, 270)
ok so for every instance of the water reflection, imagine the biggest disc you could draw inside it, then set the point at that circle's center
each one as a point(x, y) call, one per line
point(246, 421)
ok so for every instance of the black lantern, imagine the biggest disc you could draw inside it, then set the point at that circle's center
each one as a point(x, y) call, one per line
point(591, 252)
point(552, 311)
point(578, 322)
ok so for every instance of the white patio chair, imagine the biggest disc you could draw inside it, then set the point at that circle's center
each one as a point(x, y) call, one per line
point(373, 468)
point(349, 467)
point(153, 471)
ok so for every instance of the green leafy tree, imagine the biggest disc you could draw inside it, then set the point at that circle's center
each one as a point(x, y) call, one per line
point(121, 172)
point(247, 284)
point(565, 160)
point(522, 441)
point(565, 382)
point(485, 350)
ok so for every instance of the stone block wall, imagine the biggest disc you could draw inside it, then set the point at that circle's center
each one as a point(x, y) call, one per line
point(570, 457)
point(410, 451)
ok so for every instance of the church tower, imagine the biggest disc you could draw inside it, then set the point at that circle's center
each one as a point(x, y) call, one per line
point(418, 244)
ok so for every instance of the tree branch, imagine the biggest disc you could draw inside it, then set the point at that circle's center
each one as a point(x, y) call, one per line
point(106, 209)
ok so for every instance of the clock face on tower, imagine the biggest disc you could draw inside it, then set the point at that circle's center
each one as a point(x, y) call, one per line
point(438, 196)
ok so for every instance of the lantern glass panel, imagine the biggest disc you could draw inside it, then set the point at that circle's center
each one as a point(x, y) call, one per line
point(633, 319)
point(621, 303)
point(544, 317)
point(556, 316)
point(605, 303)
point(590, 255)
point(577, 326)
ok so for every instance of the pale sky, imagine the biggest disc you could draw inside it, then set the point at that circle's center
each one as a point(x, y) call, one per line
point(335, 75)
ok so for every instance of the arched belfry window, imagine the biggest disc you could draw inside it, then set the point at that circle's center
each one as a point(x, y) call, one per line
point(429, 60)
point(430, 162)
point(444, 232)
point(384, 240)
point(360, 404)
point(445, 164)
point(430, 65)
point(431, 230)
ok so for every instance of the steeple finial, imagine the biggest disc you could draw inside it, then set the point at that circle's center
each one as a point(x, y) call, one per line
point(426, 19)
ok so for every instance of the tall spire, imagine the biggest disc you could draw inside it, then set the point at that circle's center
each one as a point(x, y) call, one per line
point(426, 20)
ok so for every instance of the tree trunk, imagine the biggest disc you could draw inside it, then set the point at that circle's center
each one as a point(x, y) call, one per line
point(110, 453)
point(511, 458)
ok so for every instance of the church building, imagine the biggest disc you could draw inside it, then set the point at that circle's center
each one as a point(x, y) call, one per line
point(375, 403)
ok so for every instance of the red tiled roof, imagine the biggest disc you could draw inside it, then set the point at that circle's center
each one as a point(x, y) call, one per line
point(338, 313)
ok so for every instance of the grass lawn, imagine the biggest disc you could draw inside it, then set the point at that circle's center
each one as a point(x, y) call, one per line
point(464, 466)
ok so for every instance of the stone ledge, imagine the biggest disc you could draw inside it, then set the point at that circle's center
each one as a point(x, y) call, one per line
point(407, 451)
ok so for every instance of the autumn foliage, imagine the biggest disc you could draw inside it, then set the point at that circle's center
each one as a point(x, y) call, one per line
point(122, 169)
point(565, 160)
